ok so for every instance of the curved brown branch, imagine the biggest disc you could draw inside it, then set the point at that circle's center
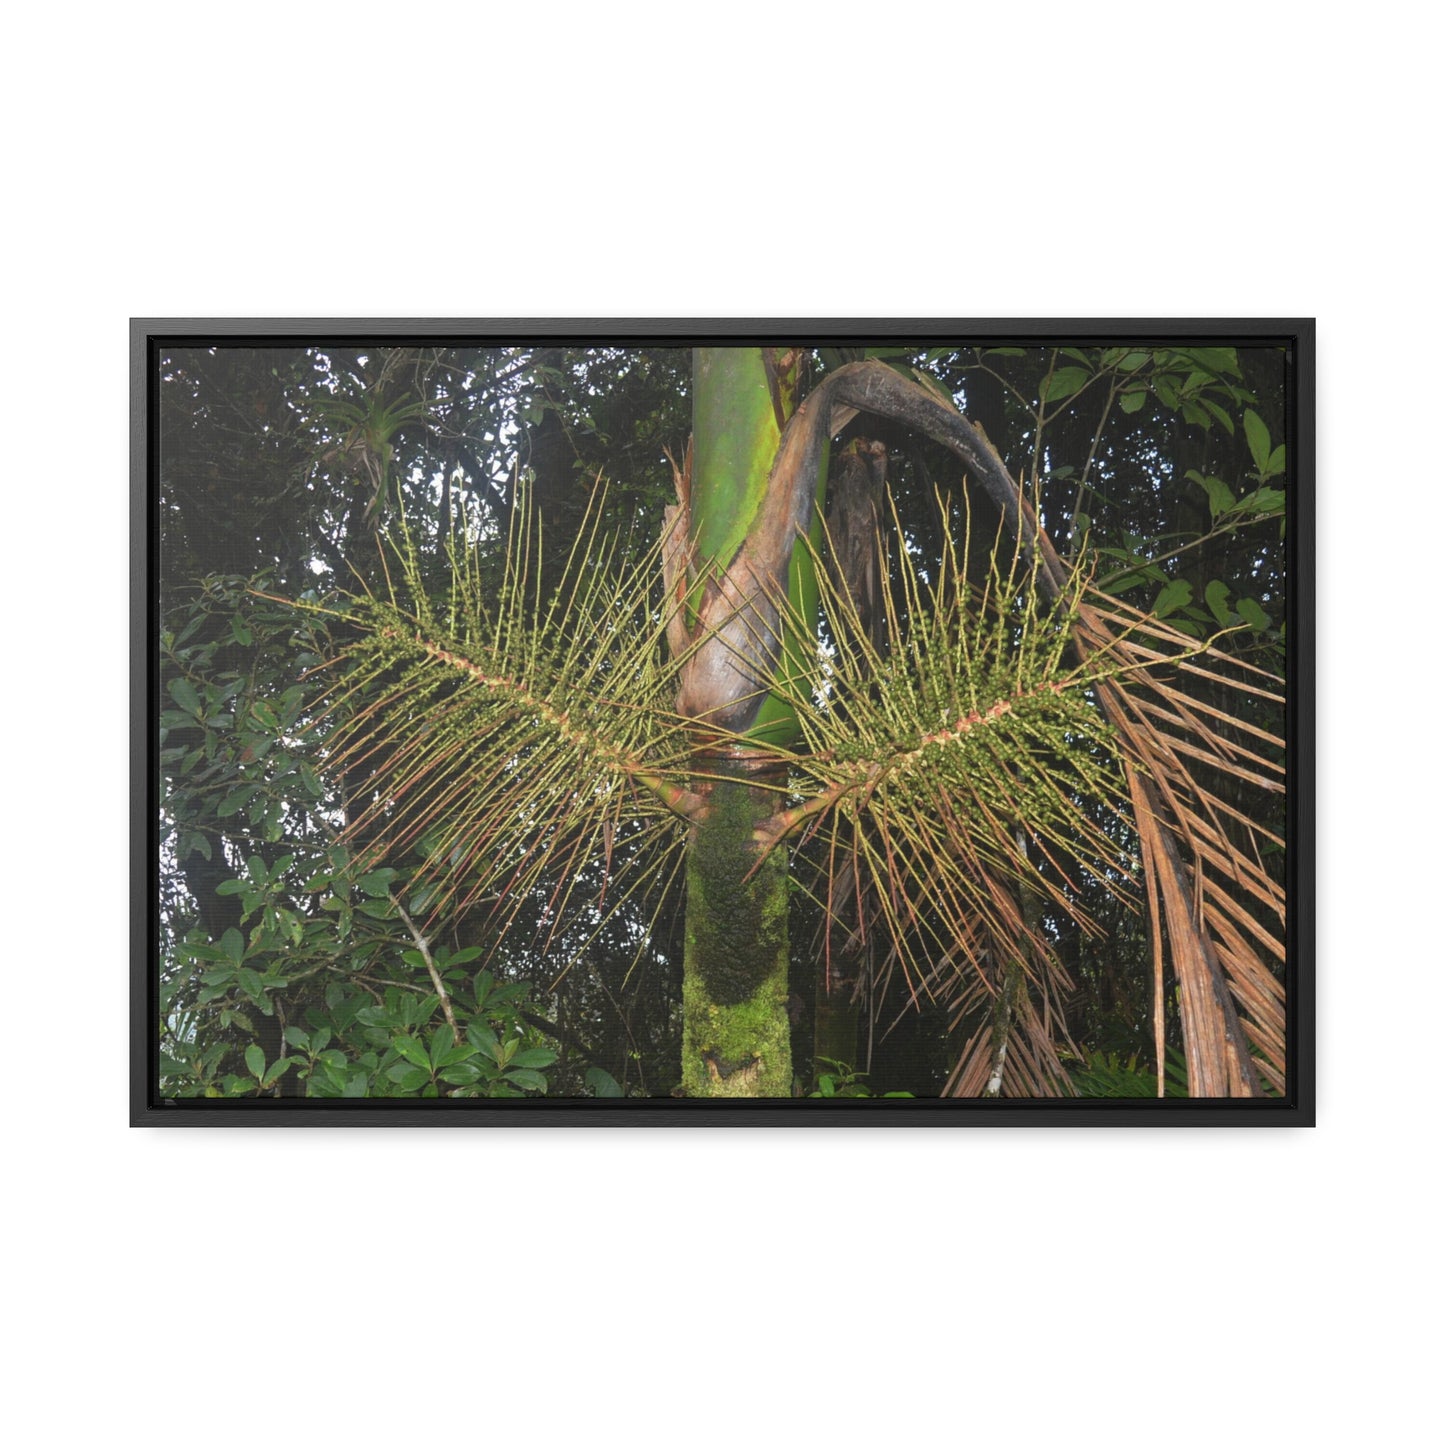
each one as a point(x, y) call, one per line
point(740, 631)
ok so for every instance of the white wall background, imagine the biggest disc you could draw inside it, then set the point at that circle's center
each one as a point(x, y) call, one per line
point(337, 160)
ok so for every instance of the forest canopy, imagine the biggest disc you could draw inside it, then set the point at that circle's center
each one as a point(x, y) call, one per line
point(808, 721)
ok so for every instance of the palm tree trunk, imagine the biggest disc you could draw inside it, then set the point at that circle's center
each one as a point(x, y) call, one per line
point(735, 964)
point(739, 677)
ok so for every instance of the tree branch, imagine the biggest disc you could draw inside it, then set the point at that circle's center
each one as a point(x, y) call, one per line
point(431, 968)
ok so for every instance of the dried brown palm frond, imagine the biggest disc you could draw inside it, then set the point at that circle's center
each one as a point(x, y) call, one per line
point(1017, 1039)
point(1212, 903)
point(1198, 773)
point(980, 763)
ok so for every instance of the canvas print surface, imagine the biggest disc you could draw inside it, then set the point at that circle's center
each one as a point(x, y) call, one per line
point(890, 725)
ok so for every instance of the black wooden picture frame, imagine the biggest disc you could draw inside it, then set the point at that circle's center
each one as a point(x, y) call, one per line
point(1182, 402)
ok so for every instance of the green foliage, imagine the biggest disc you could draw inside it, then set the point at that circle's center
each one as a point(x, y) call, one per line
point(317, 987)
point(1107, 407)
point(361, 1042)
point(1111, 1076)
point(839, 1080)
point(496, 773)
point(602, 1085)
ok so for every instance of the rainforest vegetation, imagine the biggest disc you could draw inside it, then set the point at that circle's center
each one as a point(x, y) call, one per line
point(790, 720)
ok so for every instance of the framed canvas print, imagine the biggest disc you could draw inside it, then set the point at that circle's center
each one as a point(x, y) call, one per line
point(766, 722)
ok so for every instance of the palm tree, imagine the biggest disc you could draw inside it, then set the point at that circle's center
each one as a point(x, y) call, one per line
point(972, 751)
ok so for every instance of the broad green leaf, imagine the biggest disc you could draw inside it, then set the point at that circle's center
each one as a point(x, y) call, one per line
point(602, 1084)
point(527, 1079)
point(275, 1071)
point(378, 883)
point(462, 1073)
point(252, 984)
point(1252, 613)
point(1221, 499)
point(256, 1060)
point(407, 1077)
point(186, 697)
point(534, 1059)
point(234, 802)
point(1172, 596)
point(481, 1037)
point(297, 1038)
point(1064, 383)
point(1216, 597)
point(240, 632)
point(411, 1050)
point(1133, 400)
point(1222, 360)
point(441, 1044)
point(423, 898)
point(1257, 435)
point(234, 945)
point(1276, 462)
point(1218, 413)
point(1266, 502)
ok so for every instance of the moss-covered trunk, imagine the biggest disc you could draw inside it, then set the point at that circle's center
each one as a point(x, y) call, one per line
point(746, 573)
point(735, 969)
